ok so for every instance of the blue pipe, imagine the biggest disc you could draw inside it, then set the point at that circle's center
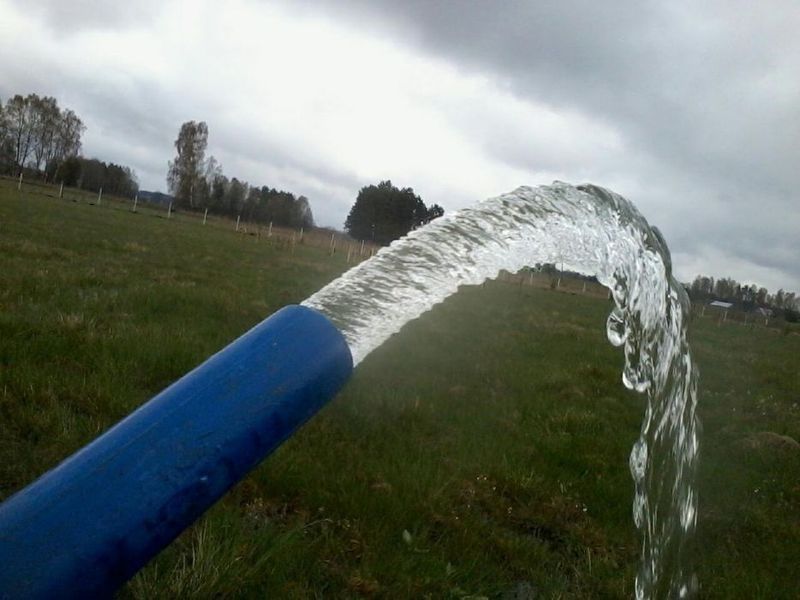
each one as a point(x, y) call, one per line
point(86, 527)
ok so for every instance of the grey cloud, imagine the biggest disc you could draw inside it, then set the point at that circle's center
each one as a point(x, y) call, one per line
point(705, 95)
point(67, 17)
point(684, 84)
point(256, 147)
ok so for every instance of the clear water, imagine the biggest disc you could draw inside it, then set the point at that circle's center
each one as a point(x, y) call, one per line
point(589, 230)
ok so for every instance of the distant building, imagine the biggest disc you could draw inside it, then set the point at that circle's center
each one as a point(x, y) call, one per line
point(720, 304)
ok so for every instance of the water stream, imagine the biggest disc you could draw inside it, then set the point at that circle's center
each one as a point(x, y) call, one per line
point(589, 230)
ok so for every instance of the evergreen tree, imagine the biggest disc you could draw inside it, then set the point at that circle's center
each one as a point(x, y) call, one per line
point(382, 213)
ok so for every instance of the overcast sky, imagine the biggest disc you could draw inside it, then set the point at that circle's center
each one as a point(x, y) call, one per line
point(689, 109)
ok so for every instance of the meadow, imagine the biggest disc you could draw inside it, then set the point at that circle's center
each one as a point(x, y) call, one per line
point(482, 452)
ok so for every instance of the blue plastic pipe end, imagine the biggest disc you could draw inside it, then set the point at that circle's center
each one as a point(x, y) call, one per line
point(86, 527)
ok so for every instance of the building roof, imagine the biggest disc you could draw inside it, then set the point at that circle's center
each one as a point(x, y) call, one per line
point(720, 304)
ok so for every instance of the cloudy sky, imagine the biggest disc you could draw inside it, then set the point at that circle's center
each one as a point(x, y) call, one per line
point(691, 110)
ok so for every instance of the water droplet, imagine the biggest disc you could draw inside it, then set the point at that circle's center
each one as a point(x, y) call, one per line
point(615, 328)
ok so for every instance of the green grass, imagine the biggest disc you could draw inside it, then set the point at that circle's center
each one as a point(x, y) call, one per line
point(481, 452)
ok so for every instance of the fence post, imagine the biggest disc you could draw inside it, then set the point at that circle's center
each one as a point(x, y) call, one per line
point(205, 216)
point(237, 221)
point(61, 190)
point(135, 201)
point(301, 235)
point(19, 185)
point(100, 197)
point(169, 211)
point(349, 252)
point(361, 253)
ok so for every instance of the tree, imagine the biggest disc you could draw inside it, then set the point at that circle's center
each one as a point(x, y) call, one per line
point(69, 171)
point(251, 202)
point(434, 212)
point(6, 145)
point(219, 187)
point(20, 131)
point(36, 134)
point(303, 214)
point(186, 171)
point(382, 213)
point(789, 301)
point(68, 136)
point(46, 126)
point(235, 195)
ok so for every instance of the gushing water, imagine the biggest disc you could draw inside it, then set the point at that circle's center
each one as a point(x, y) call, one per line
point(593, 231)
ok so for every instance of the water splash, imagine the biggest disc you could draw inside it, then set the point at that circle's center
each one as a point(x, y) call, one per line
point(589, 230)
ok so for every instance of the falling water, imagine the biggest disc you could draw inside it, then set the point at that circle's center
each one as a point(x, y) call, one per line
point(593, 231)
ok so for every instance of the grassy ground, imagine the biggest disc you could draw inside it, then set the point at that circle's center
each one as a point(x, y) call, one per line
point(482, 452)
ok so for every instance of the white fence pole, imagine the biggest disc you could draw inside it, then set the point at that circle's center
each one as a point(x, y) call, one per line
point(237, 221)
point(61, 190)
point(135, 202)
point(19, 185)
point(100, 197)
point(169, 211)
point(269, 233)
point(205, 216)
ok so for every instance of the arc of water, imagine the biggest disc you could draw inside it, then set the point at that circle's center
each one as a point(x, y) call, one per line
point(593, 231)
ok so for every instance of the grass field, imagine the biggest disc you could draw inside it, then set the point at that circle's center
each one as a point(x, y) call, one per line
point(480, 453)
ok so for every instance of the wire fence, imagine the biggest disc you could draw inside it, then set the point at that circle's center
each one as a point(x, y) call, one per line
point(331, 241)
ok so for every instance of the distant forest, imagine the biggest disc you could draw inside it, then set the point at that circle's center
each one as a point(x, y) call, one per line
point(40, 139)
point(743, 296)
point(198, 183)
point(703, 289)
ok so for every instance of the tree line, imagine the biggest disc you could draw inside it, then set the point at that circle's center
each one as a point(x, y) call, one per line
point(198, 183)
point(93, 174)
point(40, 138)
point(744, 296)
